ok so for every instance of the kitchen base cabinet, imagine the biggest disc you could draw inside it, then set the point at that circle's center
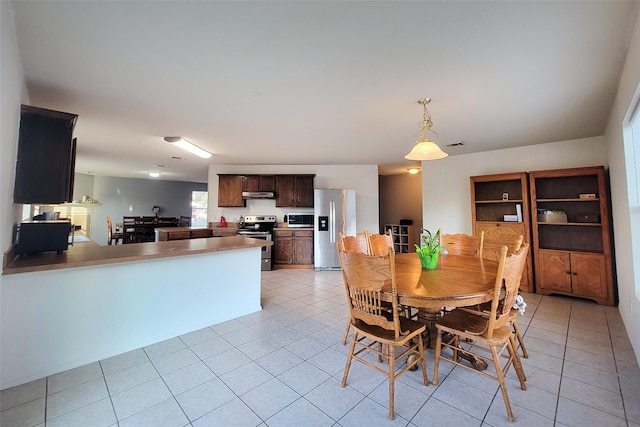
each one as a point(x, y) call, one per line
point(293, 248)
point(573, 273)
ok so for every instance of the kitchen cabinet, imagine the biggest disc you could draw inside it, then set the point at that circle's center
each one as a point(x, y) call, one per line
point(294, 191)
point(403, 237)
point(259, 183)
point(180, 233)
point(572, 257)
point(493, 197)
point(293, 247)
point(230, 191)
point(45, 164)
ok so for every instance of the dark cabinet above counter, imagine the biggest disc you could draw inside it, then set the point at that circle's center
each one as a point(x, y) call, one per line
point(294, 191)
point(46, 156)
point(288, 190)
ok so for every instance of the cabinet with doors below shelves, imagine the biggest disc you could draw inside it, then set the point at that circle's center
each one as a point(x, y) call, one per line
point(572, 257)
point(492, 198)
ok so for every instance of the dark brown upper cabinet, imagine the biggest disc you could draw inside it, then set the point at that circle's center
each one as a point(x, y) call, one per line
point(45, 164)
point(294, 191)
point(259, 183)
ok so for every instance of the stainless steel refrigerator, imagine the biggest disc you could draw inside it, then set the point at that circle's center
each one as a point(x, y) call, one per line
point(334, 212)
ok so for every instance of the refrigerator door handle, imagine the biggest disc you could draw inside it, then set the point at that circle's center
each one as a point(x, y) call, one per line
point(332, 222)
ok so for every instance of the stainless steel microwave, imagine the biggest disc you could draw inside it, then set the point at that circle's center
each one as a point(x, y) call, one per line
point(299, 220)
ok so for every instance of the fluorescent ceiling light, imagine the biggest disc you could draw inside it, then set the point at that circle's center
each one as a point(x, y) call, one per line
point(186, 145)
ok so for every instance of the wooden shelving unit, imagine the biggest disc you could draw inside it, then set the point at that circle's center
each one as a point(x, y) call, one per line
point(573, 257)
point(403, 237)
point(493, 197)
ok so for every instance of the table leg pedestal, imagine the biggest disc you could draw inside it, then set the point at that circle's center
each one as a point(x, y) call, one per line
point(429, 317)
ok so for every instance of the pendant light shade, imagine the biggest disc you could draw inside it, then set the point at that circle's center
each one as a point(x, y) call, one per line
point(425, 149)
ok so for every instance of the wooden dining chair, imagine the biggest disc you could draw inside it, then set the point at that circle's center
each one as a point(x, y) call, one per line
point(490, 332)
point(128, 229)
point(377, 330)
point(113, 237)
point(463, 244)
point(379, 244)
point(486, 307)
point(358, 243)
point(185, 221)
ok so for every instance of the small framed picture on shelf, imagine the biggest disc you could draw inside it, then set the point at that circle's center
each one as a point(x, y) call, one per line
point(505, 196)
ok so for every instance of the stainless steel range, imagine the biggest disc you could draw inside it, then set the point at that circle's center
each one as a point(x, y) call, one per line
point(260, 227)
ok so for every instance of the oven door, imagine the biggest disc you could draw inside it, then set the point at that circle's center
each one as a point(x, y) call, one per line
point(266, 250)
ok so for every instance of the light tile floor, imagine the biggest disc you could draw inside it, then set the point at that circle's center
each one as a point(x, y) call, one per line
point(283, 365)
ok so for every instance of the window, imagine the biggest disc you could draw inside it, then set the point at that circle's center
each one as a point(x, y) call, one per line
point(199, 202)
point(635, 137)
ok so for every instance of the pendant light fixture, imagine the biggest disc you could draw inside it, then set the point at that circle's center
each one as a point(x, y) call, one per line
point(425, 149)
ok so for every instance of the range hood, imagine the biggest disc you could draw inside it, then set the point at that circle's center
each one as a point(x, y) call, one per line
point(258, 195)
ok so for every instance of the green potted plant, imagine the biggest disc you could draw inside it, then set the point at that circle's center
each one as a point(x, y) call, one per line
point(429, 249)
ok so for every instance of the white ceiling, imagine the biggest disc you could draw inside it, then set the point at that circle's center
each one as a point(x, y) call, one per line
point(314, 82)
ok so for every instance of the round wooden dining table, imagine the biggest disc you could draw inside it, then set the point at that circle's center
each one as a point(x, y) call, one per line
point(457, 281)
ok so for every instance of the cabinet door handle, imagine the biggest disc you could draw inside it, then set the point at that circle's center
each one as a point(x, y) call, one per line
point(575, 274)
point(568, 272)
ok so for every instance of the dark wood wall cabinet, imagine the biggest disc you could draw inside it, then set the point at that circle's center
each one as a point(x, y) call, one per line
point(294, 191)
point(291, 191)
point(46, 156)
point(259, 183)
point(495, 198)
point(293, 247)
point(572, 233)
point(230, 191)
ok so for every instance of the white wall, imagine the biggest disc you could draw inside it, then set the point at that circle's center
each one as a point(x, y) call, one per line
point(13, 90)
point(446, 196)
point(120, 197)
point(362, 178)
point(626, 219)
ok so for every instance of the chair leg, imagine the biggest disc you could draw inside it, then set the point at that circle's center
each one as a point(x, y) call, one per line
point(392, 376)
point(423, 360)
point(520, 340)
point(437, 359)
point(500, 375)
point(346, 333)
point(349, 359)
point(517, 364)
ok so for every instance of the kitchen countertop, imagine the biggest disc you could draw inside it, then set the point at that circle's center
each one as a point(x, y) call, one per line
point(225, 230)
point(293, 228)
point(88, 254)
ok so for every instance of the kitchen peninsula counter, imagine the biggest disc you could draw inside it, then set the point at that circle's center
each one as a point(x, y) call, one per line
point(94, 302)
point(88, 254)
